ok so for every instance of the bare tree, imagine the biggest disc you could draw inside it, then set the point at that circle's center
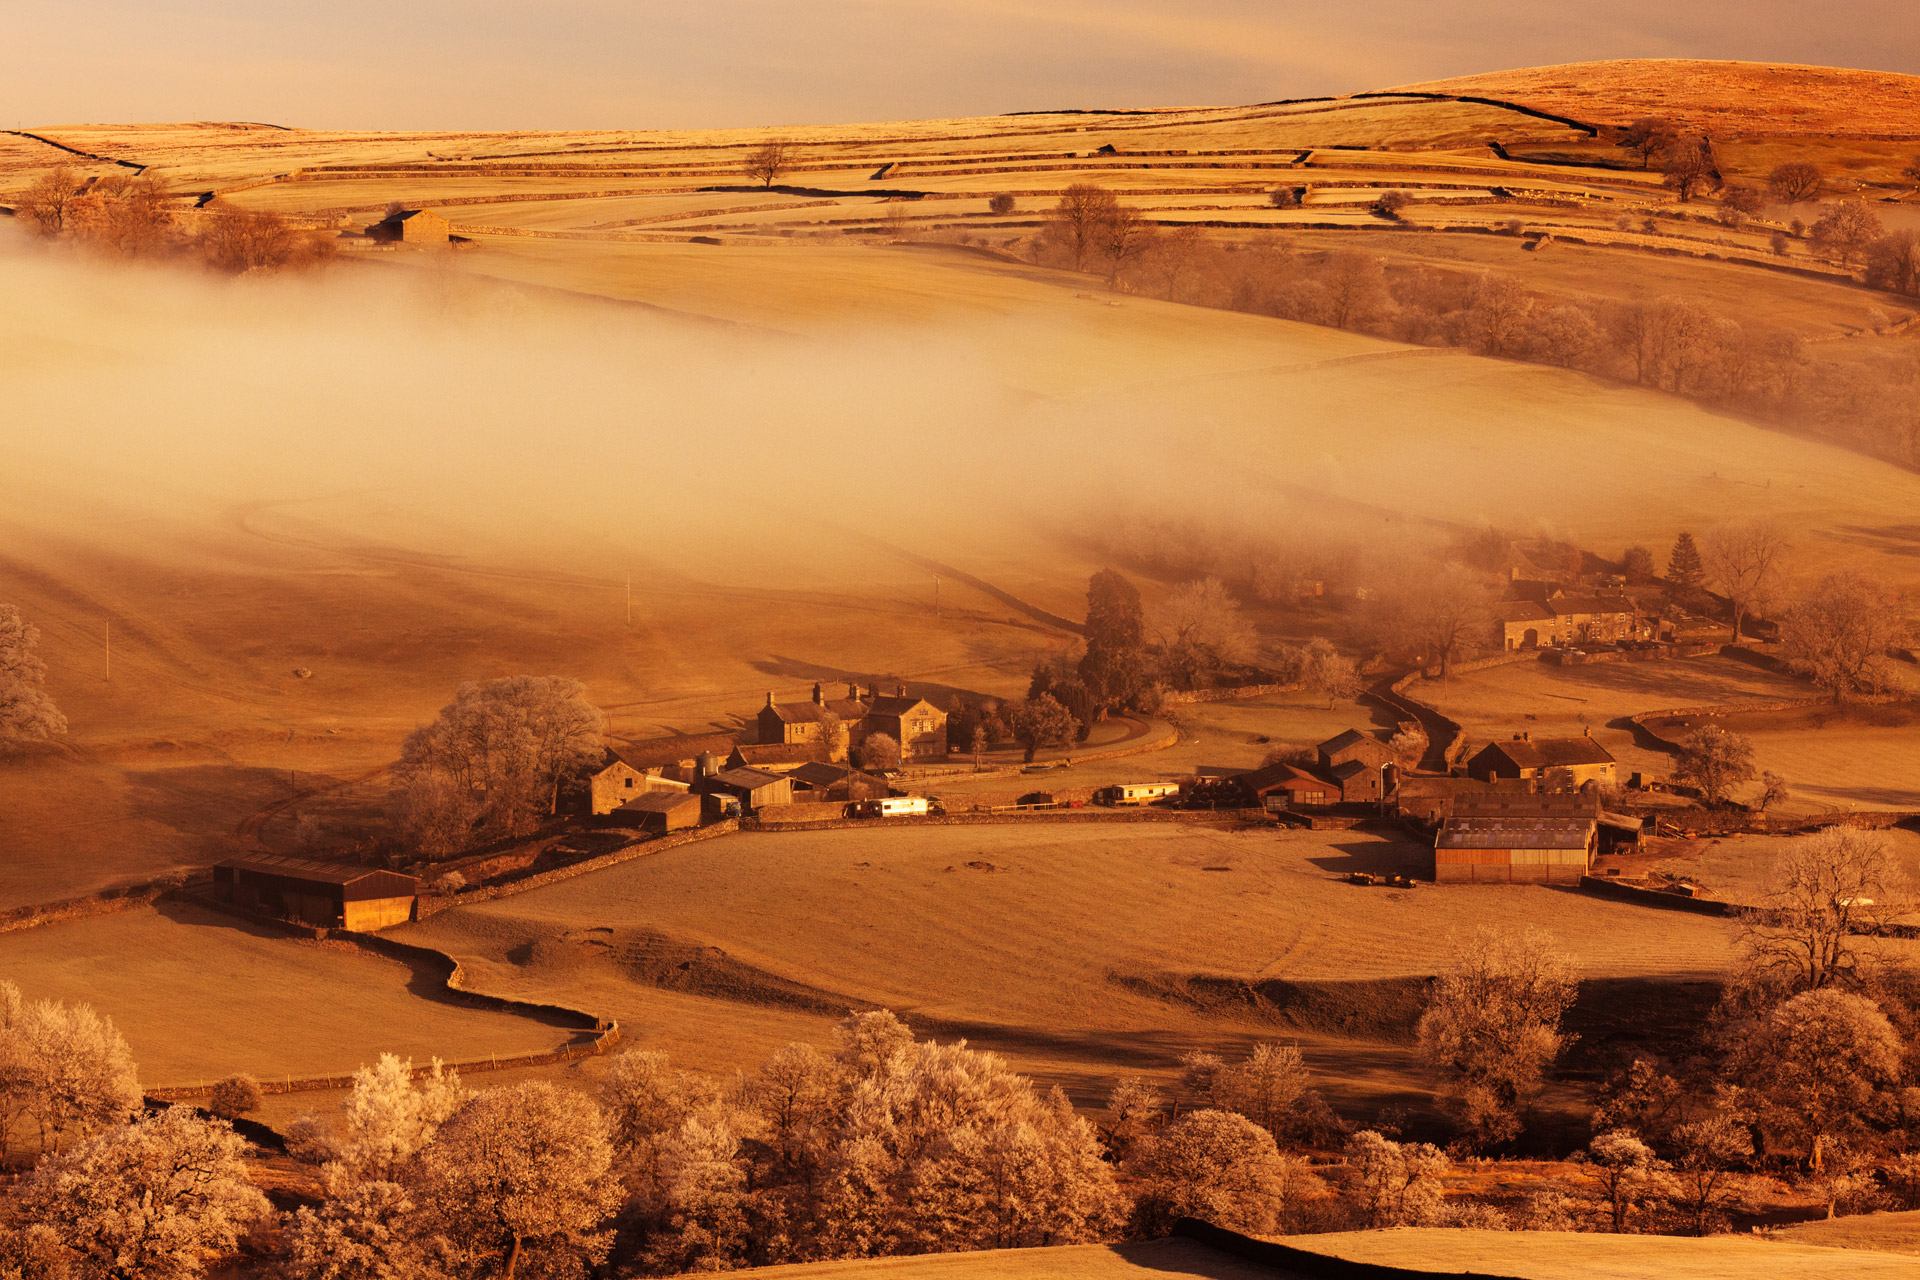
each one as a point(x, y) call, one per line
point(1000, 204)
point(1743, 561)
point(517, 739)
point(1123, 236)
point(1689, 166)
point(1133, 1106)
point(1796, 182)
point(158, 1199)
point(1846, 231)
point(25, 709)
point(769, 162)
point(1498, 314)
point(1648, 137)
point(1738, 203)
point(48, 199)
point(1704, 1153)
point(1628, 1170)
point(436, 813)
point(1199, 631)
point(1435, 611)
point(1173, 256)
point(522, 1170)
point(1080, 219)
point(1826, 891)
point(1839, 633)
point(1318, 666)
point(1356, 285)
point(1716, 760)
point(1492, 1028)
point(1893, 263)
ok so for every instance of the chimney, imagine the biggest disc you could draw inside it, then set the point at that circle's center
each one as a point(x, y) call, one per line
point(853, 692)
point(873, 691)
point(899, 691)
point(769, 697)
point(819, 698)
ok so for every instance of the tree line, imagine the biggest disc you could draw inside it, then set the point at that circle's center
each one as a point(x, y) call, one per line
point(1670, 343)
point(881, 1144)
point(137, 216)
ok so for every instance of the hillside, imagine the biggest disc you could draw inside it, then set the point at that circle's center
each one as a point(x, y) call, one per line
point(1532, 1255)
point(1767, 98)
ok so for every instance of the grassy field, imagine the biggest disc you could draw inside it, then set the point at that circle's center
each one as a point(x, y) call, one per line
point(1029, 941)
point(1066, 1262)
point(200, 995)
point(1737, 869)
point(1880, 1232)
point(1541, 1255)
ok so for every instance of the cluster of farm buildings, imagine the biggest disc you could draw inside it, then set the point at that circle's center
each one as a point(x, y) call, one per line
point(1522, 812)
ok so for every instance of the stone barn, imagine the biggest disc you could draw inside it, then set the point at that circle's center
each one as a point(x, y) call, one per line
point(751, 788)
point(329, 894)
point(412, 226)
point(659, 812)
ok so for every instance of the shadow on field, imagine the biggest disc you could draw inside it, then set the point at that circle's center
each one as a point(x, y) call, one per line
point(1619, 1018)
point(205, 799)
point(1377, 857)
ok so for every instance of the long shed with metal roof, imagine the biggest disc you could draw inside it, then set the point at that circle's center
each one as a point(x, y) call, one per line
point(331, 894)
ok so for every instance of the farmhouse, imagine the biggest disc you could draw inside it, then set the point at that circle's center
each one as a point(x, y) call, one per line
point(1555, 762)
point(1536, 614)
point(916, 724)
point(660, 812)
point(324, 893)
point(412, 226)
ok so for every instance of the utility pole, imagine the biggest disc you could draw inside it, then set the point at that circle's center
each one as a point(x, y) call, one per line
point(629, 597)
point(109, 649)
point(936, 595)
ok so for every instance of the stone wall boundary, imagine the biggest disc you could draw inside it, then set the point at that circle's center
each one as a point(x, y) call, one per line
point(433, 905)
point(1234, 693)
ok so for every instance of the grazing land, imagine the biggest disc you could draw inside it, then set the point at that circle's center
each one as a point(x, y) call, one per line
point(200, 995)
point(1030, 941)
point(1554, 1255)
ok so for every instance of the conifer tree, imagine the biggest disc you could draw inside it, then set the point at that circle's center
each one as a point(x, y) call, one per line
point(1685, 571)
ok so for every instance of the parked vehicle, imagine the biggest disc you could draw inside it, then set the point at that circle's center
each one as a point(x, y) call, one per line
point(1134, 793)
point(895, 807)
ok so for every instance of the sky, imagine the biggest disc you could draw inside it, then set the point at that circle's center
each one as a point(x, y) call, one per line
point(633, 64)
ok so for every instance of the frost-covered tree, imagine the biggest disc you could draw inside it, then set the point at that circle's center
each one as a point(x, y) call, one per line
point(25, 709)
point(390, 1115)
point(235, 1096)
point(1818, 1064)
point(159, 1199)
point(363, 1230)
point(516, 739)
point(1219, 1167)
point(526, 1170)
point(1394, 1184)
point(1133, 1106)
point(1491, 1029)
point(1629, 1173)
point(63, 1068)
point(1826, 891)
point(1199, 630)
point(1704, 1152)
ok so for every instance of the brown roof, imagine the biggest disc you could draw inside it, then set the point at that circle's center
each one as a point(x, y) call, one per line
point(1348, 768)
point(890, 705)
point(651, 752)
point(1515, 833)
point(1522, 611)
point(1510, 804)
point(1280, 777)
point(273, 864)
point(1564, 605)
point(660, 802)
point(748, 778)
point(847, 709)
point(1547, 753)
point(1341, 741)
point(778, 752)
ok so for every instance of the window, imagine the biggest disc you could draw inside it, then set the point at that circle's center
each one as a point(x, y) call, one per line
point(629, 784)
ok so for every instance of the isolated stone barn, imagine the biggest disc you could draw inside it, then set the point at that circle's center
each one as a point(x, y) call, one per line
point(329, 894)
point(412, 226)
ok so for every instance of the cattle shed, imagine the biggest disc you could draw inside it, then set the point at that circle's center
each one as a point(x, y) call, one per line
point(1515, 848)
point(330, 894)
point(659, 812)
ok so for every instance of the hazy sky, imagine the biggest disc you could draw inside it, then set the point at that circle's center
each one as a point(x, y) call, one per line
point(498, 64)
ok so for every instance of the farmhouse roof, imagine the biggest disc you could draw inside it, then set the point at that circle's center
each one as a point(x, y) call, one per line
point(1548, 753)
point(1341, 741)
point(1279, 777)
point(750, 778)
point(274, 864)
point(1517, 804)
point(1349, 768)
point(820, 774)
point(653, 752)
point(761, 753)
point(1514, 832)
point(660, 802)
point(1522, 611)
point(1564, 605)
point(814, 712)
point(1621, 821)
point(891, 705)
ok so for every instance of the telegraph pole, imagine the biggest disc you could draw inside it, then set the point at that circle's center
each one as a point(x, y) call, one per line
point(629, 597)
point(109, 649)
point(936, 595)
